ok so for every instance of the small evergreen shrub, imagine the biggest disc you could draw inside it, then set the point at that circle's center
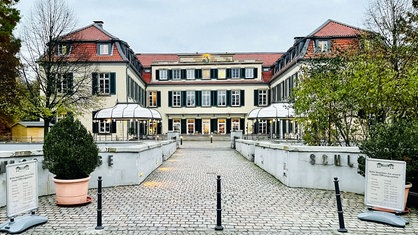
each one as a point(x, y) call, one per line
point(69, 150)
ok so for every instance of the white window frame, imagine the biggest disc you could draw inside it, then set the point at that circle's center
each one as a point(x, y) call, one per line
point(190, 98)
point(262, 97)
point(104, 126)
point(221, 98)
point(235, 97)
point(190, 126)
point(152, 99)
point(177, 125)
point(262, 126)
point(222, 123)
point(63, 49)
point(235, 72)
point(176, 98)
point(206, 125)
point(235, 124)
point(163, 74)
point(104, 49)
point(190, 74)
point(323, 45)
point(176, 74)
point(206, 98)
point(249, 72)
point(103, 82)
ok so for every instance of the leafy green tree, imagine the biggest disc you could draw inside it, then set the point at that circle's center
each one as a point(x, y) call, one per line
point(9, 47)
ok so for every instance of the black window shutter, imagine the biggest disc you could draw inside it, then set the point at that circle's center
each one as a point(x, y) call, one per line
point(70, 82)
point(183, 126)
point(255, 72)
point(214, 97)
point(170, 124)
point(183, 99)
point(198, 125)
point(212, 73)
point(255, 97)
point(228, 98)
point(95, 127)
point(242, 73)
point(158, 98)
point(113, 127)
point(94, 83)
point(242, 98)
point(242, 125)
point(199, 73)
point(183, 73)
point(216, 73)
point(198, 97)
point(170, 99)
point(113, 83)
point(157, 74)
point(169, 74)
point(228, 125)
point(228, 73)
point(213, 125)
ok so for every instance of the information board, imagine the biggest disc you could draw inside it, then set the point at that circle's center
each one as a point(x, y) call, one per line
point(22, 187)
point(385, 184)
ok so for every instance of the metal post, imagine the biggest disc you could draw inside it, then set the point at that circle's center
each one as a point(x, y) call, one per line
point(219, 226)
point(99, 204)
point(211, 138)
point(342, 228)
point(181, 140)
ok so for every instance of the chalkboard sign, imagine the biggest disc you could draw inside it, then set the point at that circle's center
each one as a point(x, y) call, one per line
point(22, 187)
point(385, 184)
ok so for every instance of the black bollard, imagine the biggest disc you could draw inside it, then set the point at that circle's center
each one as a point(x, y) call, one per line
point(342, 228)
point(181, 140)
point(211, 138)
point(218, 226)
point(99, 204)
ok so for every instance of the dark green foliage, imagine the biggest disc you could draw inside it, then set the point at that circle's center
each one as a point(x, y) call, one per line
point(394, 141)
point(9, 47)
point(69, 150)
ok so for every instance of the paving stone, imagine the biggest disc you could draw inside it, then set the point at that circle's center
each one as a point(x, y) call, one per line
point(180, 198)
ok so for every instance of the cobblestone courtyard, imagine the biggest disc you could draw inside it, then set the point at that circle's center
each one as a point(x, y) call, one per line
point(180, 198)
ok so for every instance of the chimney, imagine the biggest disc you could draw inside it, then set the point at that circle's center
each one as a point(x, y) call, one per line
point(99, 23)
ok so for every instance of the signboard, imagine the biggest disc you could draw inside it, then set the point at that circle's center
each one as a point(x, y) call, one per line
point(22, 190)
point(385, 184)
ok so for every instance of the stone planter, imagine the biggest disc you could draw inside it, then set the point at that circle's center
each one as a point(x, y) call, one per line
point(71, 192)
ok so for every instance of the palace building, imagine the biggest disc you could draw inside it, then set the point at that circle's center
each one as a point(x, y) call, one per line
point(198, 93)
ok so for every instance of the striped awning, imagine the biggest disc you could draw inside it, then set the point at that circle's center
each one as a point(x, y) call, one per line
point(125, 111)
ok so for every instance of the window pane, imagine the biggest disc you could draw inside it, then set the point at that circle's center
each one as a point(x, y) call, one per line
point(249, 72)
point(176, 74)
point(152, 99)
point(205, 98)
point(221, 98)
point(235, 73)
point(190, 99)
point(235, 98)
point(190, 73)
point(163, 74)
point(176, 98)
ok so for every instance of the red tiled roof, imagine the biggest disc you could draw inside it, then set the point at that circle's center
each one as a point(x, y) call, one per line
point(332, 28)
point(147, 59)
point(268, 58)
point(90, 33)
point(90, 50)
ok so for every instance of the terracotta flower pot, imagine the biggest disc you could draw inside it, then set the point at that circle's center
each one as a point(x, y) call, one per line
point(71, 192)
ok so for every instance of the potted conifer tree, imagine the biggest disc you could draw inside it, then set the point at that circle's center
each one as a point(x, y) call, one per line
point(397, 140)
point(71, 154)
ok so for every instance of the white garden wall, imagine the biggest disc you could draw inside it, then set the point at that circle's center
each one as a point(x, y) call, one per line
point(132, 163)
point(306, 166)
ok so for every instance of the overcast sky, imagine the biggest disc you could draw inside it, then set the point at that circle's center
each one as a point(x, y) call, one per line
point(188, 26)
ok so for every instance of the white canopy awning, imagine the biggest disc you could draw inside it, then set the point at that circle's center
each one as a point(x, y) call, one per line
point(127, 111)
point(276, 110)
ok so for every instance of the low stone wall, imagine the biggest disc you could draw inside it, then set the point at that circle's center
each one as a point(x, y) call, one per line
point(126, 163)
point(306, 166)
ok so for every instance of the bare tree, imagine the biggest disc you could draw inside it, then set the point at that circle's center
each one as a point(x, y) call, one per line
point(55, 70)
point(388, 18)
